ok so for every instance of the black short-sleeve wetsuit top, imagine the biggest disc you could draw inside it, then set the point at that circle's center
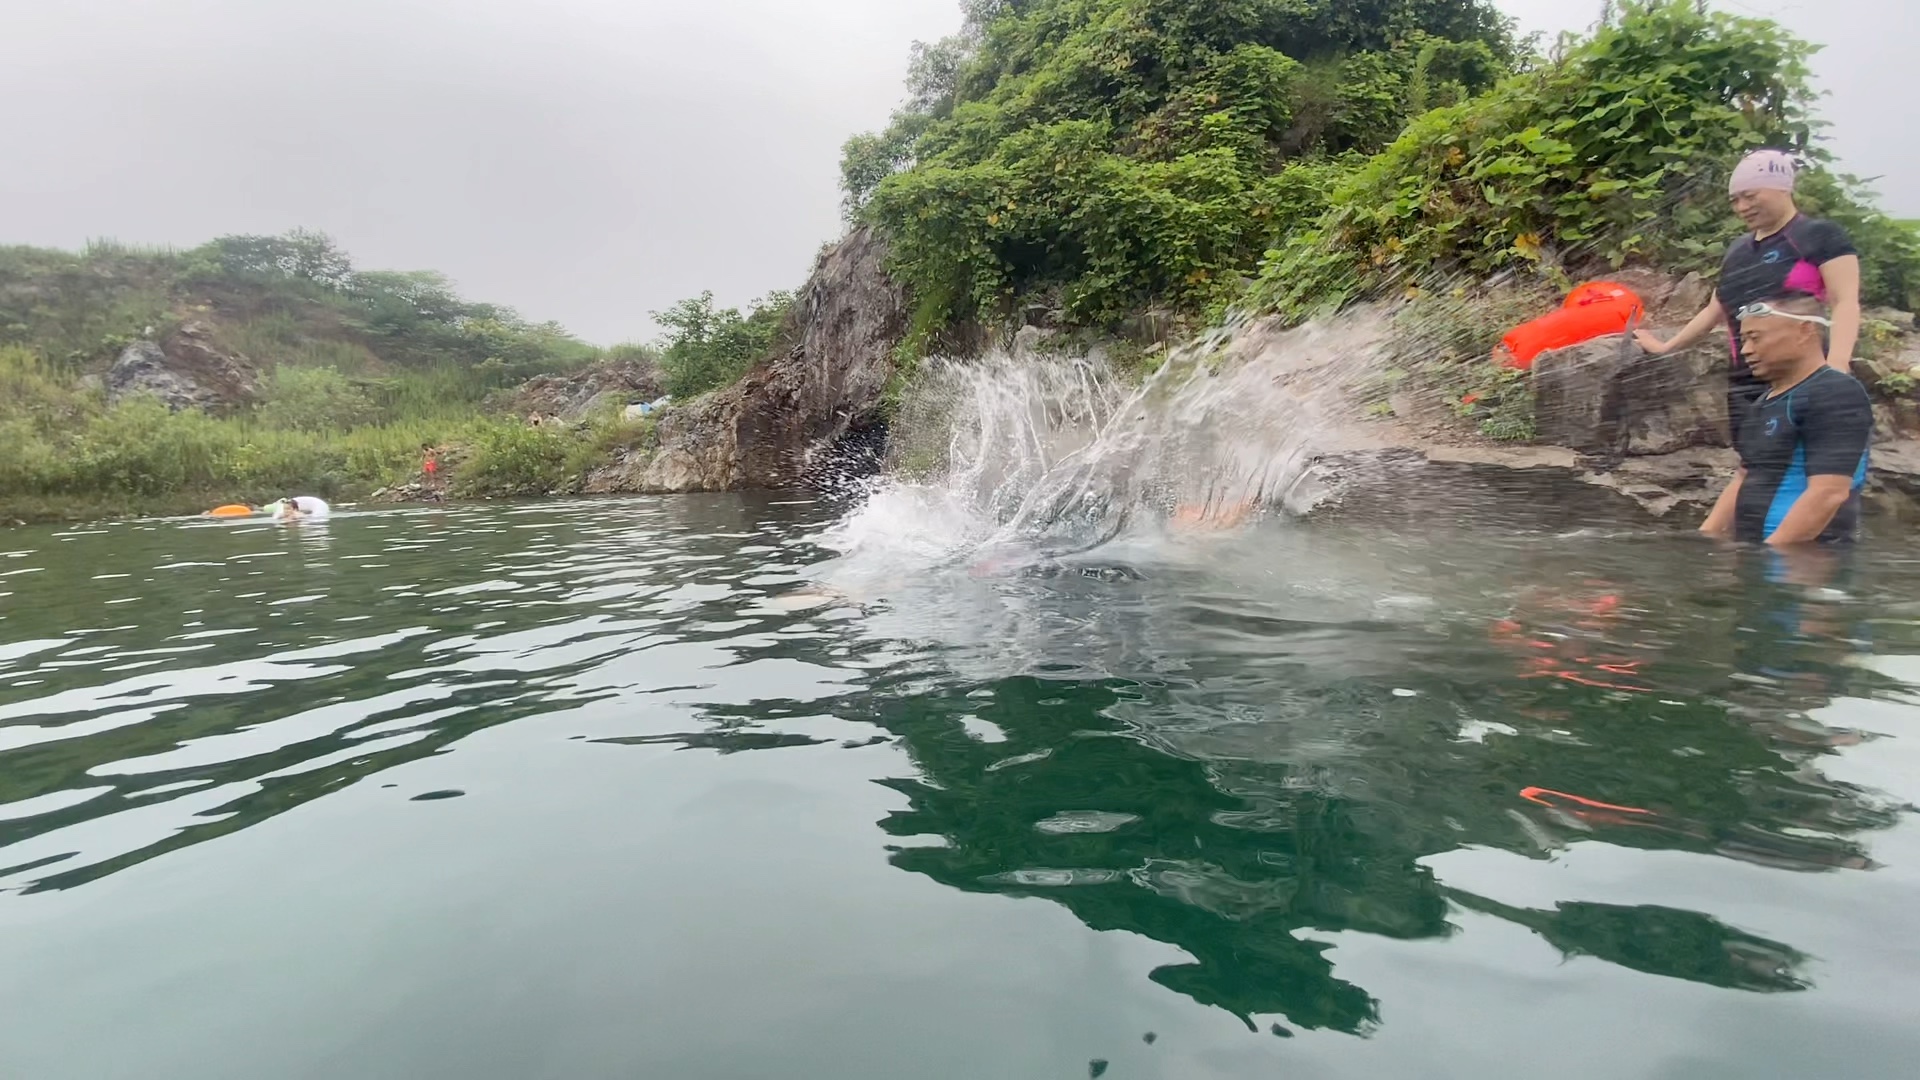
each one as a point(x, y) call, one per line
point(1788, 261)
point(1821, 427)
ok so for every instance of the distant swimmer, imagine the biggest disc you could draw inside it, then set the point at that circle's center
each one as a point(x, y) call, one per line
point(299, 507)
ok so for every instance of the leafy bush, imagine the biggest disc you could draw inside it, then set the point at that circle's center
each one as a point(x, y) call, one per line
point(706, 347)
point(508, 458)
point(1618, 151)
point(314, 399)
point(1129, 152)
point(1889, 249)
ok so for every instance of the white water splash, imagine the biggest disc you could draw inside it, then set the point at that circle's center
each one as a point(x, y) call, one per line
point(1026, 459)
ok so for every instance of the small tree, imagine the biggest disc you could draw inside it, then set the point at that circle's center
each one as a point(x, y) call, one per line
point(706, 347)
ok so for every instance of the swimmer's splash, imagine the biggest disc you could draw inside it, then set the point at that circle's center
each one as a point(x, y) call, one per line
point(1006, 459)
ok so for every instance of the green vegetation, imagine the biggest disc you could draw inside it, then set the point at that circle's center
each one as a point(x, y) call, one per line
point(707, 348)
point(358, 371)
point(1292, 155)
point(1617, 152)
point(1115, 154)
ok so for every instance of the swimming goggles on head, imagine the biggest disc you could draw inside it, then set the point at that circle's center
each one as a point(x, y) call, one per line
point(1754, 311)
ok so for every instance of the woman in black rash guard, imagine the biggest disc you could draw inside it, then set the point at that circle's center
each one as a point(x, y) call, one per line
point(1784, 251)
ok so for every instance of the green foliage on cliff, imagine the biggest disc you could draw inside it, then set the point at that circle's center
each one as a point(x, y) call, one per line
point(1131, 152)
point(1119, 154)
point(1618, 151)
point(706, 347)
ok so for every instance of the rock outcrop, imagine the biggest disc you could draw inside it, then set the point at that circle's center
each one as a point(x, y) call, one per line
point(1609, 400)
point(572, 396)
point(1612, 422)
point(767, 430)
point(1620, 434)
point(186, 369)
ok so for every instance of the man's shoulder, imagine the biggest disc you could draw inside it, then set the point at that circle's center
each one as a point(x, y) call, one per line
point(1831, 381)
point(1831, 389)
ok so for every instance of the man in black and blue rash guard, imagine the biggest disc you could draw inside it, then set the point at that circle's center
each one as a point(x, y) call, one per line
point(1803, 444)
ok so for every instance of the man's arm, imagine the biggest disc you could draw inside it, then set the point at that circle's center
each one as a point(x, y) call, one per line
point(1842, 278)
point(1813, 511)
point(1720, 521)
point(1834, 431)
point(1696, 331)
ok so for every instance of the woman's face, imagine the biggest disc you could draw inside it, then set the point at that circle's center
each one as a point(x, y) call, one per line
point(1760, 209)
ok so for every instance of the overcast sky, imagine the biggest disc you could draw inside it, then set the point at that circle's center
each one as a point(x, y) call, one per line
point(580, 160)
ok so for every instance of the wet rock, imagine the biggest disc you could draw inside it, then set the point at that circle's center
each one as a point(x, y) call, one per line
point(1901, 322)
point(1040, 316)
point(1609, 399)
point(1688, 298)
point(1031, 341)
point(1895, 469)
point(1154, 326)
point(186, 369)
point(413, 492)
point(763, 431)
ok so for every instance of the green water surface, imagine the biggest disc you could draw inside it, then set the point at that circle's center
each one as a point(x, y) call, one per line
point(616, 789)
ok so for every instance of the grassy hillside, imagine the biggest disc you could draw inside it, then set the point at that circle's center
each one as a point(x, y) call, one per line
point(358, 370)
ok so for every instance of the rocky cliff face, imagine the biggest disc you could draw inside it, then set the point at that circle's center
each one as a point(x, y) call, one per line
point(764, 431)
point(186, 369)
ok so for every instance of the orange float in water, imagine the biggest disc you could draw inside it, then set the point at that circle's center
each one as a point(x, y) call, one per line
point(1593, 310)
point(231, 510)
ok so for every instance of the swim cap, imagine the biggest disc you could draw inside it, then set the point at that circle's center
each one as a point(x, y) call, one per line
point(1763, 170)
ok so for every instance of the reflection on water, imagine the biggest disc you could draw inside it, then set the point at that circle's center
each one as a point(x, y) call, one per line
point(1245, 747)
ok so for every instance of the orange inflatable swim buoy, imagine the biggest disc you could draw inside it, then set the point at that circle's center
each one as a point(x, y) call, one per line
point(231, 510)
point(1593, 310)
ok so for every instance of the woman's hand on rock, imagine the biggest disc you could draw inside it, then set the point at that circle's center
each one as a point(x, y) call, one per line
point(1646, 340)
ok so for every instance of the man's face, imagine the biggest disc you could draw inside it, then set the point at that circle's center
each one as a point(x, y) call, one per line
point(1759, 209)
point(1772, 344)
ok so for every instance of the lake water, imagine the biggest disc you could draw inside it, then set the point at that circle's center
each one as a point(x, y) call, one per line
point(659, 788)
